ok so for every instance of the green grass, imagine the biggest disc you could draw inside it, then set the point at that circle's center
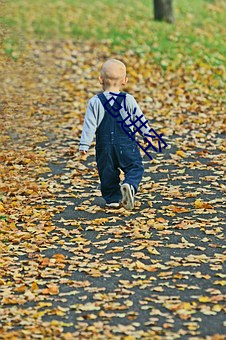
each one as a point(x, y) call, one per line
point(198, 31)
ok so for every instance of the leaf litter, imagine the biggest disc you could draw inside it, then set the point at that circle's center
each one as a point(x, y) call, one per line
point(71, 268)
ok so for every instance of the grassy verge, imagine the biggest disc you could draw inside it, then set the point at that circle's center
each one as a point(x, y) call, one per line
point(197, 33)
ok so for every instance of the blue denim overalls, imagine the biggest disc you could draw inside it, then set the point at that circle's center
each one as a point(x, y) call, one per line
point(116, 150)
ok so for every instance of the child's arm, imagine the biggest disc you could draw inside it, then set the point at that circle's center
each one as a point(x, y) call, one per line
point(89, 129)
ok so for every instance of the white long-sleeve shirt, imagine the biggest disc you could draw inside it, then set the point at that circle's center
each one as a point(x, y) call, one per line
point(95, 113)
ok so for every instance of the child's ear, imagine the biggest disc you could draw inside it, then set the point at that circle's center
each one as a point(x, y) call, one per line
point(125, 81)
point(101, 80)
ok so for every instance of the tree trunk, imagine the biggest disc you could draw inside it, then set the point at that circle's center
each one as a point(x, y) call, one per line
point(163, 10)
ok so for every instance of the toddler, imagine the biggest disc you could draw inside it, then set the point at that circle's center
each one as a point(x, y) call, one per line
point(110, 115)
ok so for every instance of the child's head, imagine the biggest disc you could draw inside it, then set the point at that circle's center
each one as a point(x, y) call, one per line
point(113, 75)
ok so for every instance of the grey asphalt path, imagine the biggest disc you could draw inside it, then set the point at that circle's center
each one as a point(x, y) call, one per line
point(184, 296)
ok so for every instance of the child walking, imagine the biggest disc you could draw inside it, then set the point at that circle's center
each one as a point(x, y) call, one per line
point(110, 115)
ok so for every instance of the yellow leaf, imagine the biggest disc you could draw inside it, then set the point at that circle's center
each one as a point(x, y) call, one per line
point(217, 308)
point(181, 153)
point(115, 250)
point(67, 336)
point(202, 205)
point(187, 306)
point(38, 315)
point(59, 257)
point(222, 282)
point(44, 304)
point(204, 299)
point(153, 251)
point(140, 265)
point(78, 239)
point(20, 289)
point(160, 226)
point(12, 225)
point(53, 289)
point(158, 289)
point(34, 286)
point(55, 323)
point(100, 221)
point(192, 326)
point(1, 208)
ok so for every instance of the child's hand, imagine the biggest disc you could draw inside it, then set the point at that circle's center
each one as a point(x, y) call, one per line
point(148, 139)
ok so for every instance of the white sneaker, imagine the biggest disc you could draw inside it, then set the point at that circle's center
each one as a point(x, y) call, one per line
point(128, 194)
point(113, 205)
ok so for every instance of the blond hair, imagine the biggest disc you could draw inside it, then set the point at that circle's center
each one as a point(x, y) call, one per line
point(113, 71)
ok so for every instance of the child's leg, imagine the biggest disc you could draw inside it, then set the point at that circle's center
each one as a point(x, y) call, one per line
point(131, 164)
point(109, 172)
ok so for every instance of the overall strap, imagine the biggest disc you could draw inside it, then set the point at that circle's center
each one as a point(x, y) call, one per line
point(117, 102)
